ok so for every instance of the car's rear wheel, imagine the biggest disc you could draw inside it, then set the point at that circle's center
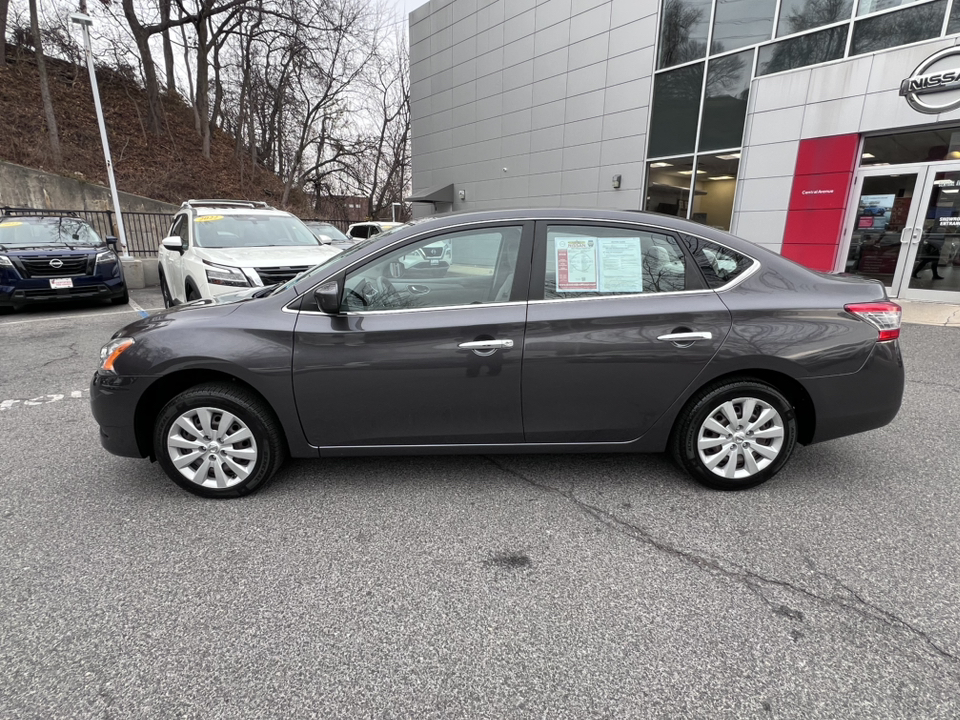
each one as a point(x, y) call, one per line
point(218, 440)
point(735, 434)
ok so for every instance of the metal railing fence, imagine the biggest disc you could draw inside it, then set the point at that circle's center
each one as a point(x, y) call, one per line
point(145, 230)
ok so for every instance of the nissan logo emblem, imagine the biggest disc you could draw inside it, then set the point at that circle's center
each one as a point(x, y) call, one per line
point(56, 263)
point(934, 87)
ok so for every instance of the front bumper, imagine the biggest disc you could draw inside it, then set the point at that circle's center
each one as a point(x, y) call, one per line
point(113, 402)
point(865, 400)
point(38, 290)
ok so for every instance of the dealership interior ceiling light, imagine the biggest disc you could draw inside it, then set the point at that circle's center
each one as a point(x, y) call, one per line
point(868, 156)
point(729, 156)
point(950, 192)
point(660, 165)
point(721, 177)
point(690, 172)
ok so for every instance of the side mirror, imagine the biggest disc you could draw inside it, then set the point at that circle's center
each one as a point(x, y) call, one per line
point(174, 243)
point(112, 242)
point(328, 297)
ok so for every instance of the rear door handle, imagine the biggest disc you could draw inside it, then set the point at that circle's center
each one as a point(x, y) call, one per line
point(486, 345)
point(686, 336)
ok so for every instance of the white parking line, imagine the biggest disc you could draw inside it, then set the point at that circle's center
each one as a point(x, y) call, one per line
point(41, 400)
point(142, 311)
point(138, 309)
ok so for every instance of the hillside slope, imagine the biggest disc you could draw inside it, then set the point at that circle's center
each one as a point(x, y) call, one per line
point(170, 168)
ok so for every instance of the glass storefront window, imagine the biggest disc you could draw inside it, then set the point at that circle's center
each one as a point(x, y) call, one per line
point(799, 15)
point(913, 24)
point(903, 148)
point(725, 102)
point(801, 51)
point(739, 23)
point(953, 25)
point(713, 190)
point(882, 213)
point(683, 31)
point(865, 7)
point(668, 186)
point(676, 107)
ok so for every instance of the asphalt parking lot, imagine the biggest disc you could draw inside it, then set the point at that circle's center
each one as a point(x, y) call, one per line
point(476, 587)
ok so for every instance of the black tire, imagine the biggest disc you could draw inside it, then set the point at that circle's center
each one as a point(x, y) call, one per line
point(708, 403)
point(192, 293)
point(165, 291)
point(251, 411)
point(123, 299)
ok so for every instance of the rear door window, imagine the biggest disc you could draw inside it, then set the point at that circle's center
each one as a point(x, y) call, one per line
point(595, 261)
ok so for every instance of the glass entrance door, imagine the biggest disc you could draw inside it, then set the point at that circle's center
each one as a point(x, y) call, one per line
point(932, 257)
point(883, 221)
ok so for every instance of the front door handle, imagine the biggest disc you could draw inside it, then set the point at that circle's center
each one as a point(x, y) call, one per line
point(686, 336)
point(486, 345)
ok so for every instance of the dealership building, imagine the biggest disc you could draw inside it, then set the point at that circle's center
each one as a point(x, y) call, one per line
point(824, 130)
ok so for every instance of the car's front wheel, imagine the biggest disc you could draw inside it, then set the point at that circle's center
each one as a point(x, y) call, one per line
point(735, 434)
point(218, 440)
point(165, 291)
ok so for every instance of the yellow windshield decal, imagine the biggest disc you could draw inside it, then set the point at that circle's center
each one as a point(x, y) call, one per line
point(10, 224)
point(209, 218)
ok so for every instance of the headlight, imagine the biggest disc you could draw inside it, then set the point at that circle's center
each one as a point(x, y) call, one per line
point(5, 261)
point(106, 256)
point(222, 275)
point(111, 351)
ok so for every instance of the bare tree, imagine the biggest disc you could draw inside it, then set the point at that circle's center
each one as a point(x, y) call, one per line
point(53, 135)
point(4, 7)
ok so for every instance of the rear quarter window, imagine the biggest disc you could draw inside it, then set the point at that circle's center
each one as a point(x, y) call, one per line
point(720, 265)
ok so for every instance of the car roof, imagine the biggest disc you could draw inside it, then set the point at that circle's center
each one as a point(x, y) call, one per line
point(227, 211)
point(669, 222)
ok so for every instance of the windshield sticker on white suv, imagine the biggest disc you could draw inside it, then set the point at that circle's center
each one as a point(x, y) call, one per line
point(209, 218)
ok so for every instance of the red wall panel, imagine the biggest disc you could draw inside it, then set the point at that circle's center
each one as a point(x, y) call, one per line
point(837, 153)
point(815, 257)
point(818, 200)
point(812, 227)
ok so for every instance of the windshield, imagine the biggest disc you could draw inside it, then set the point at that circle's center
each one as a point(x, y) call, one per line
point(37, 232)
point(327, 231)
point(240, 231)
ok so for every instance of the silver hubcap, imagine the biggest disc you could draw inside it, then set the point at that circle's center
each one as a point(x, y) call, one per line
point(212, 447)
point(740, 438)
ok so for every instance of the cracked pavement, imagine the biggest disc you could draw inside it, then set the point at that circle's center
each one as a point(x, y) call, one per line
point(484, 587)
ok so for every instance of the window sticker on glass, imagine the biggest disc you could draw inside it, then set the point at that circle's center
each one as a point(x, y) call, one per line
point(590, 264)
point(621, 268)
point(577, 264)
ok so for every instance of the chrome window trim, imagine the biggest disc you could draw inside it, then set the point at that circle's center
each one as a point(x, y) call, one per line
point(625, 296)
point(441, 308)
point(551, 219)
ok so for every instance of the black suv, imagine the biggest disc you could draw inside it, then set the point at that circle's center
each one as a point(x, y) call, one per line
point(56, 258)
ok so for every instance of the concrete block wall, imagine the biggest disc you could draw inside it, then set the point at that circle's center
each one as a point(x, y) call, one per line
point(532, 102)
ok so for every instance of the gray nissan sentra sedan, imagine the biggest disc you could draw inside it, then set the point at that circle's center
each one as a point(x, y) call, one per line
point(551, 331)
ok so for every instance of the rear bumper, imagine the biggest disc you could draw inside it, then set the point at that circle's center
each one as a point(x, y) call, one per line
point(27, 292)
point(868, 399)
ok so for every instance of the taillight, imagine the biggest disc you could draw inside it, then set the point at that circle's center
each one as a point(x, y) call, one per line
point(884, 316)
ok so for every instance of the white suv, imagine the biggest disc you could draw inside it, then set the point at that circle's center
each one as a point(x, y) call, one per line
point(220, 246)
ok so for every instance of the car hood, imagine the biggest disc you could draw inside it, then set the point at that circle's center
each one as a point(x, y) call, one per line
point(284, 256)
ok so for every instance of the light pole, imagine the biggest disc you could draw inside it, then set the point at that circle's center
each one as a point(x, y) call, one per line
point(85, 21)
